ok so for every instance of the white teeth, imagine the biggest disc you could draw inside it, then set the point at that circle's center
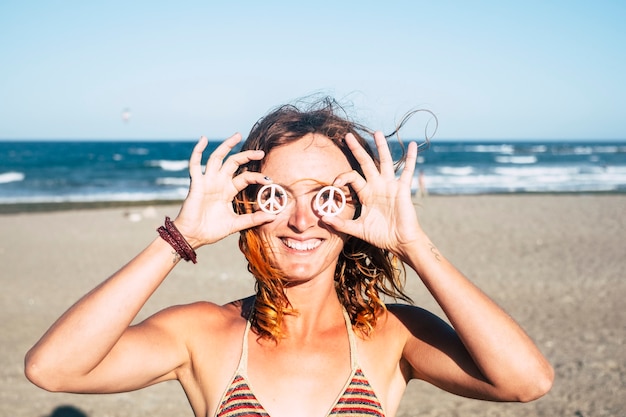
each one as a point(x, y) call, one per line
point(299, 245)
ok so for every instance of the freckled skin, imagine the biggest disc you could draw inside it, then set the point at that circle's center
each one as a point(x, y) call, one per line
point(299, 224)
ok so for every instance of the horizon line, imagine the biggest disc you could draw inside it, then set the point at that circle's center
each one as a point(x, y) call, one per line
point(222, 139)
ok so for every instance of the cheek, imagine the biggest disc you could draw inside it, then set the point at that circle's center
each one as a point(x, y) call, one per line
point(338, 239)
point(266, 231)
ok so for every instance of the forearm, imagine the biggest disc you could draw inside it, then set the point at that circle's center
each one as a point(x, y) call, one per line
point(86, 333)
point(503, 352)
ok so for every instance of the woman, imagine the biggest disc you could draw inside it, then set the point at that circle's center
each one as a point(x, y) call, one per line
point(323, 224)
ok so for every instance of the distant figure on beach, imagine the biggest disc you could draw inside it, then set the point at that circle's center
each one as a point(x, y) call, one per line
point(422, 190)
point(327, 227)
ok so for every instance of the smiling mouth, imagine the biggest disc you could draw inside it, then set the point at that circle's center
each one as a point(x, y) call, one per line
point(299, 245)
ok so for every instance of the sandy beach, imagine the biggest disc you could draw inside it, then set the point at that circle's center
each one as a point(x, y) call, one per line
point(557, 264)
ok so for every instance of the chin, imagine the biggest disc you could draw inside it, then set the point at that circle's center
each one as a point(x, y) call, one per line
point(297, 274)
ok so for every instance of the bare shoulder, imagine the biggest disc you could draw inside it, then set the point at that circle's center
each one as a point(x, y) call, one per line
point(203, 318)
point(418, 322)
point(431, 344)
point(402, 325)
point(212, 335)
point(424, 332)
point(196, 327)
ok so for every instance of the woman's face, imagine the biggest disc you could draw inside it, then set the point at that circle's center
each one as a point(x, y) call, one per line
point(302, 246)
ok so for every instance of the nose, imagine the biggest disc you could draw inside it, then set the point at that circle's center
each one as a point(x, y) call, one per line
point(301, 214)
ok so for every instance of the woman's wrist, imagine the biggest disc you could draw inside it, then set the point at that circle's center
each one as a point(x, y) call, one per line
point(420, 252)
point(170, 233)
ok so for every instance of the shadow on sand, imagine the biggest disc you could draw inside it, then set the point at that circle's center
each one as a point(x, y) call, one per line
point(67, 411)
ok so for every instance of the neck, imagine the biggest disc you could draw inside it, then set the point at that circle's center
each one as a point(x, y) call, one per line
point(317, 309)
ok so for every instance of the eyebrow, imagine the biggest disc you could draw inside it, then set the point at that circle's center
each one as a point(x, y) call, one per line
point(319, 185)
point(350, 195)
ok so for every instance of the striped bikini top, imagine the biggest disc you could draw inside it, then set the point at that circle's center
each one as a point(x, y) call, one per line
point(356, 400)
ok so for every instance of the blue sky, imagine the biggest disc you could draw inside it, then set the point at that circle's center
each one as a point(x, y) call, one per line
point(487, 69)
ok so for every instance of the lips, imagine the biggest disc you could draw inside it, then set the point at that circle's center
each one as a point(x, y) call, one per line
point(302, 245)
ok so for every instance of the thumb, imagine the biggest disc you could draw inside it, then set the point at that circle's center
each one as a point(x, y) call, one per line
point(340, 225)
point(247, 221)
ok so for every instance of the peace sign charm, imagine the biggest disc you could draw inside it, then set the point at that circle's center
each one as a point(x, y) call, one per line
point(272, 198)
point(330, 201)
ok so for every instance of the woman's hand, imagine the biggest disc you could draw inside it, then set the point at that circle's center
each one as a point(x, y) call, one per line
point(207, 214)
point(388, 219)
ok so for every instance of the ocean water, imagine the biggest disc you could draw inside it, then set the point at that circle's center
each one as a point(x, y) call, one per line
point(106, 171)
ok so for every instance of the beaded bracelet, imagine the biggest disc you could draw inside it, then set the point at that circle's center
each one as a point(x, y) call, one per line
point(171, 235)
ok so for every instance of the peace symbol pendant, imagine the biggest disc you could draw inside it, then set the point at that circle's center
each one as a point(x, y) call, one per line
point(329, 201)
point(272, 198)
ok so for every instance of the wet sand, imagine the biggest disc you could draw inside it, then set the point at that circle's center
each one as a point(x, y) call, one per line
point(557, 264)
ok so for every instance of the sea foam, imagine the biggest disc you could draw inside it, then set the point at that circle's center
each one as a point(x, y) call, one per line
point(11, 177)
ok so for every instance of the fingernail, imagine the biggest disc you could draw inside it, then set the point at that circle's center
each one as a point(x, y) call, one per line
point(266, 178)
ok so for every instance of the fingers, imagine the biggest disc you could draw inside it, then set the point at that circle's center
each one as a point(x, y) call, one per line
point(229, 166)
point(234, 161)
point(341, 225)
point(363, 158)
point(356, 181)
point(384, 155)
point(247, 221)
point(195, 161)
point(386, 169)
point(215, 160)
point(409, 165)
point(242, 181)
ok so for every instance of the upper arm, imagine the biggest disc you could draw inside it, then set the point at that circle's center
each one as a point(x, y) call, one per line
point(146, 353)
point(433, 352)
